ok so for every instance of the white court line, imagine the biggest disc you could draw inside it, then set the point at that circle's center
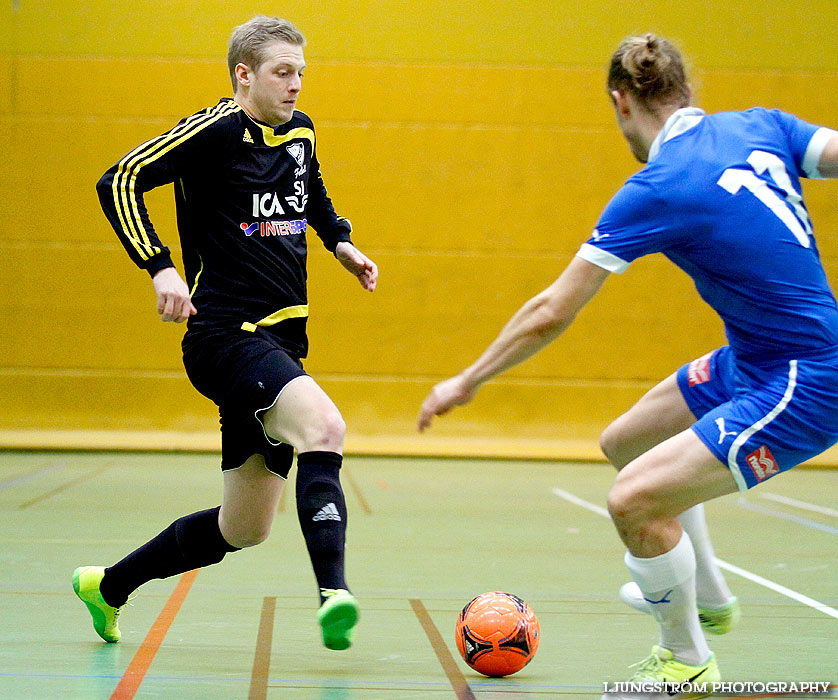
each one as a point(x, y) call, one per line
point(561, 493)
point(794, 595)
point(744, 573)
point(32, 475)
point(743, 503)
point(800, 504)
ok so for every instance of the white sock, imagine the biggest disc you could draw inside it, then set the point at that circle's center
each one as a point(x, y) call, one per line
point(710, 586)
point(668, 585)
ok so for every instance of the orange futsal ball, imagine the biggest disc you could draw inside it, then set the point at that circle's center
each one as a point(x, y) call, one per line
point(497, 634)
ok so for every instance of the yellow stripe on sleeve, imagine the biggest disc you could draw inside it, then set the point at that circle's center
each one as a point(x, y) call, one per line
point(129, 167)
point(117, 185)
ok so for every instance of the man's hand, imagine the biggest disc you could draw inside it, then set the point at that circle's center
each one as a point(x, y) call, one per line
point(358, 264)
point(443, 397)
point(173, 300)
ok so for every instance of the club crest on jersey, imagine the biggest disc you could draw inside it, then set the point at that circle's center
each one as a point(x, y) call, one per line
point(698, 371)
point(275, 228)
point(762, 463)
point(298, 152)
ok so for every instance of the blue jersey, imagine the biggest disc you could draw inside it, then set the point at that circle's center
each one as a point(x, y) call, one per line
point(720, 197)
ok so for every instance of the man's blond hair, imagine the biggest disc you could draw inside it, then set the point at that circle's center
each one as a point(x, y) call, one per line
point(249, 40)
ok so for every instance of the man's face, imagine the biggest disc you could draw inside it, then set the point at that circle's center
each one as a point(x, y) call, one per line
point(276, 83)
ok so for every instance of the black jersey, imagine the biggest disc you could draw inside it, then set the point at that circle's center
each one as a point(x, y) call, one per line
point(245, 194)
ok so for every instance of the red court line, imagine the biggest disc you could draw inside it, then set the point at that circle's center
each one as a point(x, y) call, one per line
point(281, 506)
point(134, 674)
point(66, 485)
point(455, 676)
point(357, 491)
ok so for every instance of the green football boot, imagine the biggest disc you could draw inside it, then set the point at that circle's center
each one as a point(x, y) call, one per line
point(678, 681)
point(337, 616)
point(86, 580)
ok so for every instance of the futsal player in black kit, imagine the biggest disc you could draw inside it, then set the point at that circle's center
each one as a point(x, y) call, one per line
point(247, 186)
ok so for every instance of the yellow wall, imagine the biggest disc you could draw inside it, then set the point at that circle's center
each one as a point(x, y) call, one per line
point(472, 146)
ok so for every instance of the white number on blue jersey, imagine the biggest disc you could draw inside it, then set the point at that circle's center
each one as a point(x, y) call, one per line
point(733, 179)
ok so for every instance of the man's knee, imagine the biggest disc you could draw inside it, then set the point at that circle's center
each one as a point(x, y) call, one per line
point(308, 422)
point(246, 536)
point(245, 525)
point(331, 429)
point(632, 501)
point(322, 431)
point(623, 503)
point(637, 502)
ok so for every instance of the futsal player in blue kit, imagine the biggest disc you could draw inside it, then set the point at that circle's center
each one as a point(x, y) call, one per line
point(720, 197)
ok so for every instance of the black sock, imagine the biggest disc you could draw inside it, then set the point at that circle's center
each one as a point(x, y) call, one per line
point(321, 509)
point(188, 543)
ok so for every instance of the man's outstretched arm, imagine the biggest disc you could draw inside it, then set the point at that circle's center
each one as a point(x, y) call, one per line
point(535, 325)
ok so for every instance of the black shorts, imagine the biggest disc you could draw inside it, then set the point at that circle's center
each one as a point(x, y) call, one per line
point(243, 373)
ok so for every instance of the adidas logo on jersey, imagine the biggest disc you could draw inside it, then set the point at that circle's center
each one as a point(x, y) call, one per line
point(247, 138)
point(327, 512)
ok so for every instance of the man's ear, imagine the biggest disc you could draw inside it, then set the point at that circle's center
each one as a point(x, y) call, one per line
point(242, 73)
point(621, 104)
